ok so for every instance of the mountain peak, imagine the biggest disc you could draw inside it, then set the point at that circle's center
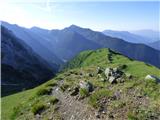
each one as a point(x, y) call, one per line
point(73, 26)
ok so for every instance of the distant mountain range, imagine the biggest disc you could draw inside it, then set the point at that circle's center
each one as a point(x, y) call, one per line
point(136, 37)
point(32, 56)
point(127, 36)
point(21, 66)
point(155, 44)
point(66, 44)
point(62, 45)
point(37, 42)
point(151, 34)
point(135, 51)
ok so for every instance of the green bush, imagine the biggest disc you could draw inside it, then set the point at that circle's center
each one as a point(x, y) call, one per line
point(96, 96)
point(44, 91)
point(64, 86)
point(118, 104)
point(38, 107)
point(132, 116)
point(16, 111)
point(83, 92)
point(51, 84)
point(121, 67)
point(150, 88)
point(53, 100)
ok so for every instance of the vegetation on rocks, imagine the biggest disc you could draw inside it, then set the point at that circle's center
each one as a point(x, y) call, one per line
point(44, 91)
point(37, 108)
point(83, 92)
point(98, 95)
point(53, 100)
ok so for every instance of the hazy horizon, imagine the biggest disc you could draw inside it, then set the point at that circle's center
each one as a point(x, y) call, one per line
point(99, 16)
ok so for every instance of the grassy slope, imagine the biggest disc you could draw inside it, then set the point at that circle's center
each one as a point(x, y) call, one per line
point(9, 103)
point(88, 61)
point(100, 58)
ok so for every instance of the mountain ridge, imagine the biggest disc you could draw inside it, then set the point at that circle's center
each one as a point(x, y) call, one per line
point(57, 38)
point(68, 91)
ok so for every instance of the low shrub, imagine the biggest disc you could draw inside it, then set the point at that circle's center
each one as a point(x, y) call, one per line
point(51, 84)
point(64, 86)
point(38, 107)
point(44, 91)
point(118, 104)
point(98, 95)
point(16, 111)
point(132, 116)
point(53, 100)
point(83, 92)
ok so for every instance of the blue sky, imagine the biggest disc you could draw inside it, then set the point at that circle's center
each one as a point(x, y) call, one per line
point(95, 15)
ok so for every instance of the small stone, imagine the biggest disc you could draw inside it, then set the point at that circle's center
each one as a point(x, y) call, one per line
point(75, 91)
point(99, 76)
point(112, 79)
point(152, 77)
point(117, 95)
point(48, 103)
point(86, 85)
point(108, 72)
point(99, 70)
point(69, 89)
point(90, 74)
point(50, 118)
point(103, 80)
point(111, 116)
point(76, 73)
point(128, 75)
point(38, 116)
point(81, 74)
point(104, 112)
point(115, 69)
point(97, 114)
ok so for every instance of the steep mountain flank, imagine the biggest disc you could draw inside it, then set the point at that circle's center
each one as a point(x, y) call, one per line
point(22, 68)
point(39, 44)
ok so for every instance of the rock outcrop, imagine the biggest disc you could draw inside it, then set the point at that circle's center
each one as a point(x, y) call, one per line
point(152, 77)
point(113, 75)
point(86, 85)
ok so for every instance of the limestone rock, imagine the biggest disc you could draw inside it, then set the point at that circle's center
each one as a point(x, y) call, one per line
point(152, 77)
point(113, 75)
point(108, 72)
point(112, 79)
